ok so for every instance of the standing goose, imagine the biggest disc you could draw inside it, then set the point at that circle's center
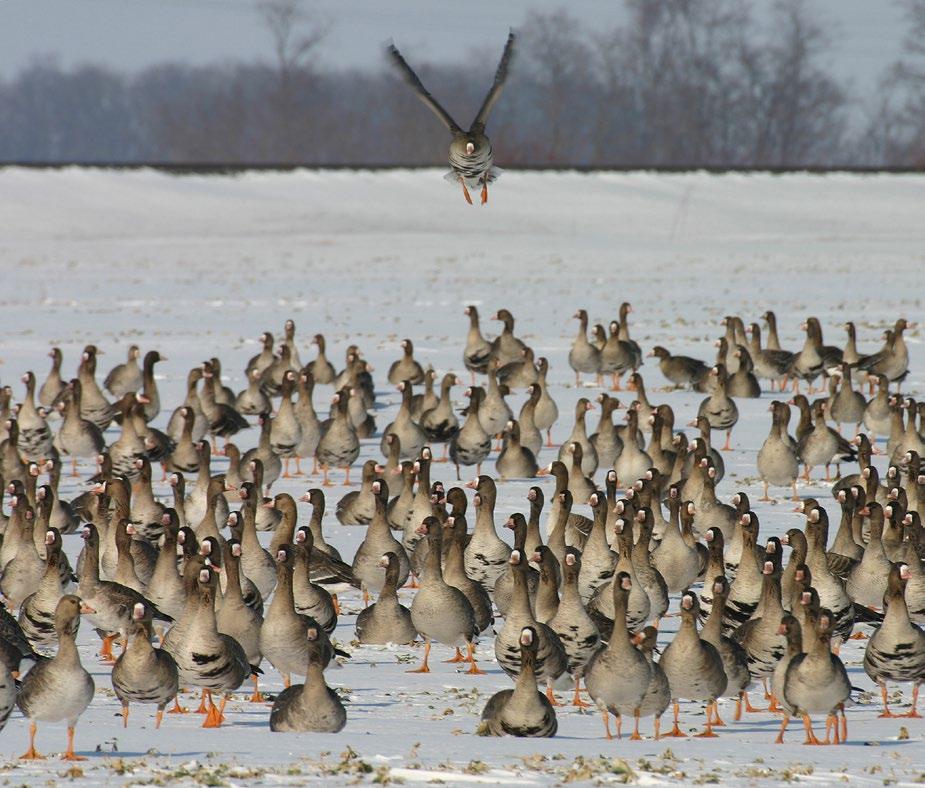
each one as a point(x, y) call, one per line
point(734, 656)
point(264, 451)
point(578, 633)
point(523, 711)
point(597, 559)
point(94, 406)
point(680, 371)
point(439, 422)
point(22, 574)
point(637, 605)
point(470, 154)
point(815, 358)
point(746, 588)
point(311, 599)
point(651, 580)
point(848, 406)
point(320, 368)
point(777, 460)
point(37, 613)
point(878, 414)
point(658, 691)
point(223, 420)
point(823, 445)
point(440, 611)
point(676, 561)
point(494, 412)
point(358, 506)
point(312, 707)
point(693, 666)
point(618, 675)
point(289, 341)
point(896, 651)
point(505, 347)
point(406, 368)
point(816, 682)
point(771, 319)
point(503, 591)
point(477, 352)
point(583, 356)
point(165, 588)
point(386, 620)
point(257, 565)
point(264, 358)
point(472, 444)
point(185, 457)
point(551, 658)
point(339, 446)
point(59, 688)
point(35, 438)
point(792, 631)
point(125, 378)
point(192, 401)
point(607, 443)
point(867, 581)
point(546, 413)
point(486, 554)
point(78, 437)
point(309, 423)
point(378, 542)
point(152, 407)
point(454, 570)
point(54, 384)
point(515, 460)
point(893, 360)
point(579, 435)
point(632, 462)
point(410, 434)
point(719, 410)
point(519, 374)
point(426, 400)
point(743, 382)
point(142, 673)
point(252, 400)
point(546, 601)
point(770, 364)
point(568, 527)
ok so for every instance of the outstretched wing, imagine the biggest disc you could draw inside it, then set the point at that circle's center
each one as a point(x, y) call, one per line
point(478, 125)
point(412, 79)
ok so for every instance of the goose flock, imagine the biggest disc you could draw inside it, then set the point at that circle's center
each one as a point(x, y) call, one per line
point(198, 577)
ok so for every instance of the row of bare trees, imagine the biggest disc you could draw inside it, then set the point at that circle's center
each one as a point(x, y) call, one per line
point(681, 82)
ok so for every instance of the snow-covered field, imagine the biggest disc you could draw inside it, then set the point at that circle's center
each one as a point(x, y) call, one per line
point(200, 266)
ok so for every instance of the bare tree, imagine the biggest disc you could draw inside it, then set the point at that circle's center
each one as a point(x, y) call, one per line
point(295, 31)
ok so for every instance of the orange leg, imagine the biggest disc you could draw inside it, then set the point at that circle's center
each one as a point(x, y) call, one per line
point(365, 598)
point(886, 713)
point(216, 715)
point(717, 721)
point(636, 736)
point(326, 482)
point(465, 192)
point(727, 446)
point(257, 697)
point(106, 655)
point(676, 731)
point(707, 732)
point(576, 698)
point(550, 695)
point(606, 716)
point(32, 754)
point(287, 680)
point(748, 705)
point(808, 727)
point(657, 725)
point(203, 705)
point(615, 382)
point(286, 474)
point(124, 715)
point(913, 712)
point(549, 443)
point(425, 668)
point(74, 474)
point(858, 636)
point(336, 604)
point(844, 724)
point(774, 706)
point(314, 470)
point(738, 715)
point(70, 755)
point(484, 193)
point(473, 667)
point(457, 657)
point(783, 727)
point(765, 498)
point(158, 719)
point(177, 708)
point(298, 467)
point(347, 477)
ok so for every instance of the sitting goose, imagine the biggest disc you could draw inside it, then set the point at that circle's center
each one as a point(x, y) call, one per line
point(617, 676)
point(454, 571)
point(523, 711)
point(578, 633)
point(777, 460)
point(515, 461)
point(59, 688)
point(406, 368)
point(693, 666)
point(142, 673)
point(486, 554)
point(743, 382)
point(477, 351)
point(358, 506)
point(893, 360)
point(54, 383)
point(440, 611)
point(583, 356)
point(386, 620)
point(547, 412)
point(719, 410)
point(896, 650)
point(551, 658)
point(252, 401)
point(680, 371)
point(411, 436)
point(312, 707)
point(471, 444)
point(378, 542)
point(339, 446)
point(816, 682)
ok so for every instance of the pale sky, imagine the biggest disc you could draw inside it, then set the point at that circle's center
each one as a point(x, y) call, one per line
point(131, 34)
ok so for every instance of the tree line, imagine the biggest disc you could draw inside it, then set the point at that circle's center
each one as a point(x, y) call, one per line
point(679, 83)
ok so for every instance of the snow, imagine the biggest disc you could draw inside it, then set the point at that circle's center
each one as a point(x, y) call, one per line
point(199, 266)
